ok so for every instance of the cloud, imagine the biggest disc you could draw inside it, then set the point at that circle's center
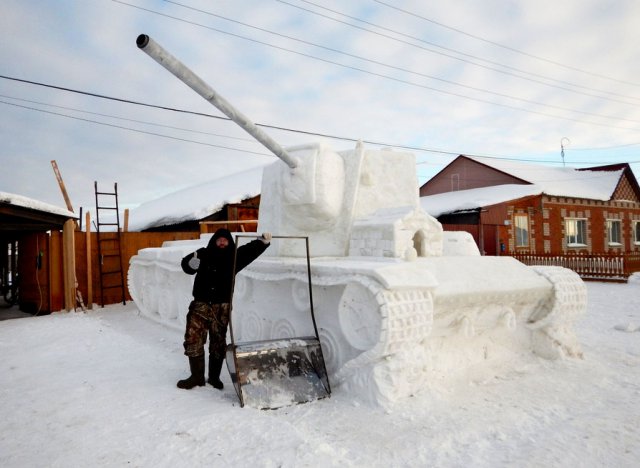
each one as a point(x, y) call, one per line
point(90, 46)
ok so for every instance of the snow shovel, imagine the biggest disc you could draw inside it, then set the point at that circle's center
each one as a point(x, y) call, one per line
point(269, 374)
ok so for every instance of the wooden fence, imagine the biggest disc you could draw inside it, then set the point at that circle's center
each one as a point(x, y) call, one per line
point(48, 283)
point(588, 266)
point(131, 242)
point(42, 288)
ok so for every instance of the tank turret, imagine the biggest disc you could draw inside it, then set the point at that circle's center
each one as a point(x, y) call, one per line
point(352, 203)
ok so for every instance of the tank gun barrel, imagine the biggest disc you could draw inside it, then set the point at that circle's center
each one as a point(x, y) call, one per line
point(184, 74)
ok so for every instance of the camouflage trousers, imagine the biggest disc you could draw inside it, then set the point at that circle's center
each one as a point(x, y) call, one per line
point(204, 318)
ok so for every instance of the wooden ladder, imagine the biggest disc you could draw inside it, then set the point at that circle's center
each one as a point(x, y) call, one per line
point(109, 249)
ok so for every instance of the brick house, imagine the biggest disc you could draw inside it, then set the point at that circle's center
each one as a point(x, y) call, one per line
point(512, 207)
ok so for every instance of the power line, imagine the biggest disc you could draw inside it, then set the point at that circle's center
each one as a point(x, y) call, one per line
point(201, 114)
point(112, 98)
point(133, 129)
point(460, 53)
point(154, 106)
point(128, 119)
point(423, 75)
point(512, 49)
point(273, 127)
point(373, 73)
point(605, 147)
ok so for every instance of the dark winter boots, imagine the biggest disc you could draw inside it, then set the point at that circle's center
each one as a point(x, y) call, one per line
point(196, 364)
point(197, 373)
point(215, 365)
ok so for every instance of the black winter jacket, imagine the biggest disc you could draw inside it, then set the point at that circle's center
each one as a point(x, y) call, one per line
point(214, 274)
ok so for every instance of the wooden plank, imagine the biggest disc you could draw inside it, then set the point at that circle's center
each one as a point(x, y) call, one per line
point(242, 225)
point(68, 265)
point(67, 200)
point(89, 269)
point(126, 220)
point(31, 216)
point(56, 285)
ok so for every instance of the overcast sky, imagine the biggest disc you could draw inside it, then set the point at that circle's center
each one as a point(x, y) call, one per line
point(509, 79)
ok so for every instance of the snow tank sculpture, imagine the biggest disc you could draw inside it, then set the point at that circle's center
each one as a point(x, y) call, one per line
point(399, 304)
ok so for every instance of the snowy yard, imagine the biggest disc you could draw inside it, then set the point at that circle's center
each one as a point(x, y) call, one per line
point(98, 389)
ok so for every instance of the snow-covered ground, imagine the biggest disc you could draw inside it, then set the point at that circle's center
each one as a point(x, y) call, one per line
point(98, 389)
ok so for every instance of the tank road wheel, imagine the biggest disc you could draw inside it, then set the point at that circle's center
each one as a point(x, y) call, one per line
point(359, 317)
point(394, 364)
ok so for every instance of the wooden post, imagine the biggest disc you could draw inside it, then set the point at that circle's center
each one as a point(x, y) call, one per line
point(126, 220)
point(67, 200)
point(68, 264)
point(89, 263)
point(56, 270)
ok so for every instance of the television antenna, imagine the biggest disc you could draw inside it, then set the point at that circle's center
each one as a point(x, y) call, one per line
point(562, 148)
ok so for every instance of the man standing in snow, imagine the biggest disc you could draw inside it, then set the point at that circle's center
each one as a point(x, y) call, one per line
point(209, 310)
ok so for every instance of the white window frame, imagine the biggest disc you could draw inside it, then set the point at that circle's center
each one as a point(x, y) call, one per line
point(519, 229)
point(576, 232)
point(636, 232)
point(614, 232)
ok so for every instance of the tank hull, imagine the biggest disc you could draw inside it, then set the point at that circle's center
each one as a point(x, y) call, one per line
point(388, 328)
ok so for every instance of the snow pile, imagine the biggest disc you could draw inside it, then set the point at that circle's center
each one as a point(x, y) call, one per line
point(25, 202)
point(560, 181)
point(98, 389)
point(197, 202)
point(463, 200)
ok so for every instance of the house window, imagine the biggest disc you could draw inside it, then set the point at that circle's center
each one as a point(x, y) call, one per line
point(455, 182)
point(636, 232)
point(575, 232)
point(522, 230)
point(613, 232)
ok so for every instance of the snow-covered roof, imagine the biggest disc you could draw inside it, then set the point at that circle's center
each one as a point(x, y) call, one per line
point(200, 201)
point(560, 181)
point(203, 200)
point(461, 200)
point(555, 181)
point(26, 202)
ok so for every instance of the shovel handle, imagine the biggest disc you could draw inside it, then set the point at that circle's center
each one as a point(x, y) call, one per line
point(233, 281)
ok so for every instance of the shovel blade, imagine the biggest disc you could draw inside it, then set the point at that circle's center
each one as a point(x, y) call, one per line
point(275, 373)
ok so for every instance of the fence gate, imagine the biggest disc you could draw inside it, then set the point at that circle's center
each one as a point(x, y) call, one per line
point(108, 237)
